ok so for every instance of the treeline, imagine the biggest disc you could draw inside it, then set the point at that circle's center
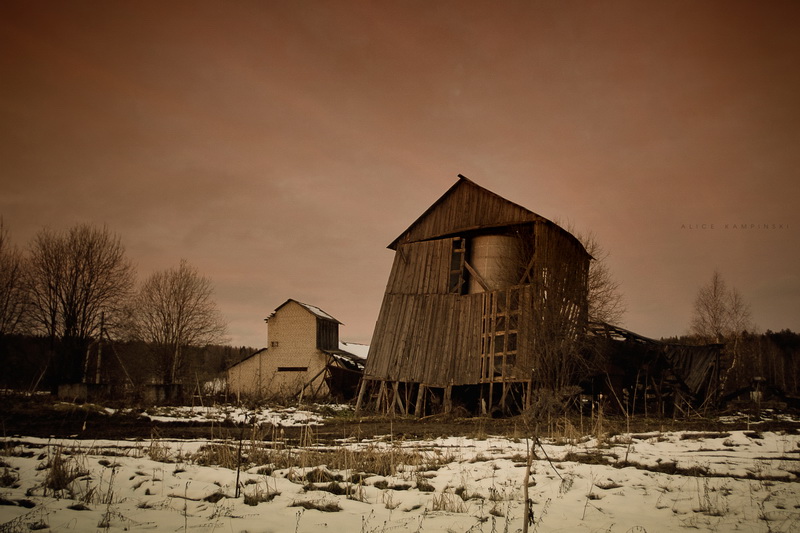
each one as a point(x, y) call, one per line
point(72, 311)
point(26, 361)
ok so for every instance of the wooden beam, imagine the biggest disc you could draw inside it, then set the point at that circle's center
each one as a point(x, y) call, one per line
point(419, 408)
point(527, 272)
point(478, 278)
point(379, 400)
point(308, 385)
point(361, 390)
point(396, 399)
point(528, 392)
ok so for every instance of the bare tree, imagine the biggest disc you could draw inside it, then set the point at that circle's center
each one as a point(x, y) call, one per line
point(720, 313)
point(606, 303)
point(12, 289)
point(74, 279)
point(174, 310)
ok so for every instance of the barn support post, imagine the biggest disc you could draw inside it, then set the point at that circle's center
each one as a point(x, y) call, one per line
point(361, 390)
point(448, 399)
point(504, 396)
point(397, 400)
point(390, 404)
point(676, 404)
point(528, 392)
point(660, 404)
point(379, 400)
point(419, 408)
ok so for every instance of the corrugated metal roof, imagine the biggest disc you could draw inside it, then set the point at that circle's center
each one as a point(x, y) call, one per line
point(359, 350)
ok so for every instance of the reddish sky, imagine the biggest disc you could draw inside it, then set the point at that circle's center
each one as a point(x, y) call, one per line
point(280, 146)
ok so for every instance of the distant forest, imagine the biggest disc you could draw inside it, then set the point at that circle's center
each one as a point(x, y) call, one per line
point(27, 363)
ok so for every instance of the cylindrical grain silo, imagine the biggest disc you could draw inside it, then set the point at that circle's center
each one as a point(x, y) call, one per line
point(498, 260)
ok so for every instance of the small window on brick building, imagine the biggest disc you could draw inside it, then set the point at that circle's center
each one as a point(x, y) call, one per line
point(274, 344)
point(292, 369)
point(327, 334)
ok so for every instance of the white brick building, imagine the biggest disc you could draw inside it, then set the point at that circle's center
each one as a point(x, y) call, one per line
point(303, 358)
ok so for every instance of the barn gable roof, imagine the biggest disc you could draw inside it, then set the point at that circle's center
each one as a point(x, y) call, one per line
point(316, 311)
point(243, 359)
point(466, 206)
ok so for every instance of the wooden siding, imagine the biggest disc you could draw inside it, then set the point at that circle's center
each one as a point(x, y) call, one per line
point(428, 339)
point(420, 268)
point(560, 278)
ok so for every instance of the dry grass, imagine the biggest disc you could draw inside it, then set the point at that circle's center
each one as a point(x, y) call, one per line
point(372, 460)
point(448, 502)
point(259, 496)
point(9, 478)
point(62, 471)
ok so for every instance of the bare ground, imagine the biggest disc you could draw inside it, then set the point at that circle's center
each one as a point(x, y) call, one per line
point(38, 417)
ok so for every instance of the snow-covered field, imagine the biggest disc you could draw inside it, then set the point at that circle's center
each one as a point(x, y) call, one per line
point(288, 416)
point(731, 481)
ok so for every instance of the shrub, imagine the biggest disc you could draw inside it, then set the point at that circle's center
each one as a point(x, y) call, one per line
point(325, 507)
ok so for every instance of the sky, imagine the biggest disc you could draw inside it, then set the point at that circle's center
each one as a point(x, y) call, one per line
point(279, 147)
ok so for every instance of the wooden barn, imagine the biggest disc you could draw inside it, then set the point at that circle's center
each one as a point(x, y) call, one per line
point(303, 359)
point(484, 299)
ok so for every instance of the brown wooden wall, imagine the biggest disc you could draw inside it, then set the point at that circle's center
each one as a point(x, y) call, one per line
point(421, 268)
point(560, 279)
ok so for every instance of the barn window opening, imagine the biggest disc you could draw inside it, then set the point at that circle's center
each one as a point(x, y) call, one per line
point(457, 283)
point(499, 343)
point(292, 369)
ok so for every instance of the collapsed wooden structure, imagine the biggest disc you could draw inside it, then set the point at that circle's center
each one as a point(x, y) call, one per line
point(480, 291)
point(641, 375)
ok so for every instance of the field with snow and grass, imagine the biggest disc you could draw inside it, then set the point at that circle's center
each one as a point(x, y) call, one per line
point(647, 482)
